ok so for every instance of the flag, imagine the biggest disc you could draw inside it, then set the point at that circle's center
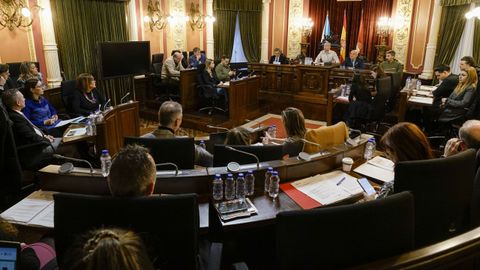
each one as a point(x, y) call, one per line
point(343, 38)
point(326, 29)
point(360, 36)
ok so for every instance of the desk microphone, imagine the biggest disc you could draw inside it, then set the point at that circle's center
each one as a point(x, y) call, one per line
point(68, 167)
point(105, 106)
point(320, 152)
point(219, 128)
point(126, 95)
point(168, 164)
point(234, 166)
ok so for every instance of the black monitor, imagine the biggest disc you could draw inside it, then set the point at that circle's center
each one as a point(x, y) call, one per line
point(179, 150)
point(123, 59)
point(222, 156)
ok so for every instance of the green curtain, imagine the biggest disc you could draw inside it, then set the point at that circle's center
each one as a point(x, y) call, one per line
point(476, 42)
point(447, 3)
point(453, 22)
point(79, 25)
point(249, 12)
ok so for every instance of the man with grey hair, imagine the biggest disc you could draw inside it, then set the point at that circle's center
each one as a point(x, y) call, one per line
point(468, 137)
point(172, 67)
point(326, 55)
point(170, 117)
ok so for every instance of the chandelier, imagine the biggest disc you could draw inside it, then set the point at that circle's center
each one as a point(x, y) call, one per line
point(198, 20)
point(305, 25)
point(15, 14)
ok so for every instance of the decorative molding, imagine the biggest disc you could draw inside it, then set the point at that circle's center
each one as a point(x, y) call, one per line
point(210, 41)
point(177, 34)
point(294, 33)
point(265, 30)
point(401, 36)
point(132, 20)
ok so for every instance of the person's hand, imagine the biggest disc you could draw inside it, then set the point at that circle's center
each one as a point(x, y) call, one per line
point(55, 118)
point(48, 122)
point(453, 147)
point(231, 73)
point(198, 56)
point(2, 81)
point(50, 138)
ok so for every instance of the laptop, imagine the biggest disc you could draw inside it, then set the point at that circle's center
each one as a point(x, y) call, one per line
point(9, 255)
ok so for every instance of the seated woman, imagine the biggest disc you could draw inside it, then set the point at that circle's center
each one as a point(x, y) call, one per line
point(360, 100)
point(87, 99)
point(294, 123)
point(238, 136)
point(461, 97)
point(405, 142)
point(207, 76)
point(38, 110)
point(28, 70)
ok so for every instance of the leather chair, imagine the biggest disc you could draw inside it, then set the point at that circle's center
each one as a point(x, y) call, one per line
point(342, 236)
point(443, 194)
point(68, 89)
point(475, 212)
point(325, 137)
point(168, 225)
point(207, 94)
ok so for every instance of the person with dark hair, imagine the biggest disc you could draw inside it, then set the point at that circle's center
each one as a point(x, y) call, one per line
point(28, 70)
point(447, 83)
point(133, 172)
point(238, 136)
point(405, 142)
point(109, 249)
point(170, 117)
point(87, 99)
point(207, 76)
point(466, 62)
point(223, 71)
point(196, 58)
point(360, 101)
point(5, 81)
point(391, 65)
point(461, 97)
point(278, 57)
point(294, 123)
point(38, 110)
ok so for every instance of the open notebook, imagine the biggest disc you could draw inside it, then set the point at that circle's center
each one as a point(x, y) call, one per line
point(378, 168)
point(35, 210)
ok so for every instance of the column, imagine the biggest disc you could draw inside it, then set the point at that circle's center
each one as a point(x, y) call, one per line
point(49, 44)
point(132, 20)
point(401, 36)
point(294, 33)
point(210, 42)
point(177, 32)
point(432, 42)
point(265, 30)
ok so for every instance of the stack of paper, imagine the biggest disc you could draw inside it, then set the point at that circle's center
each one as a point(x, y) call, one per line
point(378, 168)
point(422, 100)
point(34, 210)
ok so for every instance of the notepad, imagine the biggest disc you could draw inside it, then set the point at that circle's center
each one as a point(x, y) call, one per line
point(76, 132)
point(378, 168)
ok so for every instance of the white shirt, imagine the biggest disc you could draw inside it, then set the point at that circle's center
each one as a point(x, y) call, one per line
point(325, 56)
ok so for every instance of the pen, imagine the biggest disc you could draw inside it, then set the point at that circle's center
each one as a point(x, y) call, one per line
point(341, 180)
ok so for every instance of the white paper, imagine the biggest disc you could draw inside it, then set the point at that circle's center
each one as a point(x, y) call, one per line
point(376, 172)
point(66, 122)
point(422, 100)
point(76, 132)
point(382, 162)
point(44, 218)
point(428, 88)
point(29, 208)
point(324, 189)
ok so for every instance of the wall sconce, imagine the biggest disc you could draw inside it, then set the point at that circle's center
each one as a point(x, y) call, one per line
point(197, 19)
point(305, 25)
point(385, 25)
point(473, 13)
point(15, 14)
point(155, 17)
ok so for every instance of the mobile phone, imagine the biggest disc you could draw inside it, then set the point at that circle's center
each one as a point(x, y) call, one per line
point(9, 255)
point(232, 206)
point(366, 186)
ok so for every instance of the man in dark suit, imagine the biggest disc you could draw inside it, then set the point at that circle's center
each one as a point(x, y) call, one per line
point(278, 57)
point(197, 58)
point(354, 61)
point(448, 82)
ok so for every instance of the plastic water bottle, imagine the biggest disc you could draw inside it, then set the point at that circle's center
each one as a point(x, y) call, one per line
point(202, 144)
point(408, 82)
point(250, 183)
point(268, 174)
point(217, 188)
point(343, 92)
point(88, 127)
point(240, 187)
point(274, 185)
point(419, 84)
point(347, 90)
point(272, 131)
point(106, 161)
point(93, 128)
point(370, 149)
point(229, 187)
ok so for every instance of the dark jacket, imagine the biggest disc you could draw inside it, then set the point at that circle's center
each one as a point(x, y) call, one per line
point(24, 132)
point(205, 78)
point(81, 105)
point(193, 62)
point(282, 59)
point(445, 89)
point(358, 63)
point(456, 105)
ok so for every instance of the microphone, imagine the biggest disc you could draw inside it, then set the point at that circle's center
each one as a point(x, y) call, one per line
point(215, 127)
point(68, 167)
point(126, 95)
point(105, 106)
point(320, 153)
point(168, 164)
point(234, 166)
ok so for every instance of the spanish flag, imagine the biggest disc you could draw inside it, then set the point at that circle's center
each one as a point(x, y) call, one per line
point(343, 38)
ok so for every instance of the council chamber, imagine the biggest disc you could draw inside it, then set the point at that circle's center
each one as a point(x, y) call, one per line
point(239, 134)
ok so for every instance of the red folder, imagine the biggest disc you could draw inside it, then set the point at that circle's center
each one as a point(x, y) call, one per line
point(299, 197)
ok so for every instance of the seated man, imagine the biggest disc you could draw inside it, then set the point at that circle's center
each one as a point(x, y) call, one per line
point(448, 82)
point(197, 58)
point(278, 57)
point(171, 69)
point(391, 65)
point(326, 55)
point(133, 172)
point(223, 71)
point(5, 81)
point(354, 61)
point(170, 117)
point(468, 137)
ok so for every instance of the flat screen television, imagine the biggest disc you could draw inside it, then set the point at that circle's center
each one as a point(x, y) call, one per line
point(122, 59)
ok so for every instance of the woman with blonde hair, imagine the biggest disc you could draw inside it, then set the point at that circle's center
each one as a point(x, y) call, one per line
point(87, 99)
point(294, 123)
point(28, 70)
point(461, 97)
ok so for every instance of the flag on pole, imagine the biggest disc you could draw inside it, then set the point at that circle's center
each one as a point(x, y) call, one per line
point(326, 28)
point(343, 38)
point(360, 36)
